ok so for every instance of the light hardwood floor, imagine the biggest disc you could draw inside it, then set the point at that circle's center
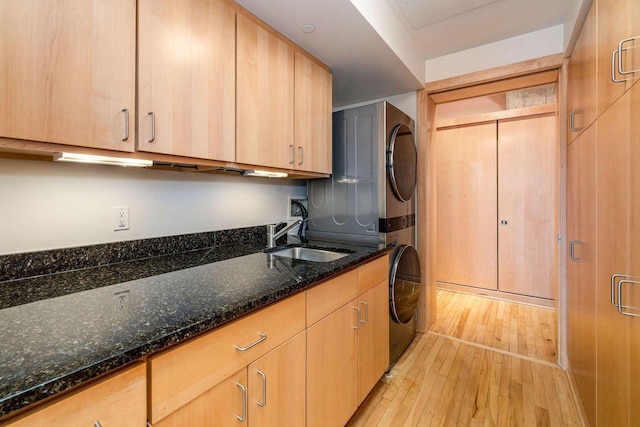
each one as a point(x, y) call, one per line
point(446, 380)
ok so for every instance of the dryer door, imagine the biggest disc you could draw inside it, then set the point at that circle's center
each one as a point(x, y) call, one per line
point(402, 162)
point(404, 284)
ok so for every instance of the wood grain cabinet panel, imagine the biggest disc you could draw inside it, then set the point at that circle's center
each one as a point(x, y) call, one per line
point(187, 78)
point(466, 247)
point(373, 338)
point(265, 97)
point(116, 400)
point(329, 296)
point(185, 372)
point(332, 368)
point(313, 133)
point(613, 214)
point(68, 72)
point(581, 89)
point(527, 194)
point(277, 386)
point(219, 406)
point(581, 267)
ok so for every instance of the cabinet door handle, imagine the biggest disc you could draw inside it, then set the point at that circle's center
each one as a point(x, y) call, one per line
point(615, 277)
point(366, 312)
point(572, 245)
point(97, 424)
point(292, 154)
point(126, 125)
point(358, 318)
point(153, 126)
point(621, 49)
point(253, 344)
point(572, 121)
point(614, 78)
point(621, 306)
point(301, 153)
point(242, 418)
point(264, 389)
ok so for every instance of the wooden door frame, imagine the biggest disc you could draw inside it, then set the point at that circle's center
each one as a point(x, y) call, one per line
point(500, 79)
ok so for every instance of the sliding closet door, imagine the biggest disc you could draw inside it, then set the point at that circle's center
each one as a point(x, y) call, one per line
point(527, 194)
point(466, 205)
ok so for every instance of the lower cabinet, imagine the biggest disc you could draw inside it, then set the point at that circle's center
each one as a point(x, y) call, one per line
point(348, 349)
point(117, 400)
point(270, 392)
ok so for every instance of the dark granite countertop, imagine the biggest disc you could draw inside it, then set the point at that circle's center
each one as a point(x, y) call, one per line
point(60, 330)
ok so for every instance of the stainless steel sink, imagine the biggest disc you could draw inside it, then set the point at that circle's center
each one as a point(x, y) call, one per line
point(310, 254)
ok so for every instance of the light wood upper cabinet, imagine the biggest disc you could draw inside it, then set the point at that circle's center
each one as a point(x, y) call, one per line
point(187, 78)
point(467, 205)
point(617, 20)
point(313, 140)
point(117, 400)
point(265, 97)
point(527, 193)
point(68, 72)
point(581, 90)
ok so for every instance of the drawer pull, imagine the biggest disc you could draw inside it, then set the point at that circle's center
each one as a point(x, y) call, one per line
point(126, 130)
point(264, 389)
point(253, 344)
point(97, 424)
point(243, 417)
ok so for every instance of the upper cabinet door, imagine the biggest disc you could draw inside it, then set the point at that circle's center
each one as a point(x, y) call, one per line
point(68, 72)
point(312, 116)
point(617, 21)
point(264, 126)
point(187, 78)
point(581, 97)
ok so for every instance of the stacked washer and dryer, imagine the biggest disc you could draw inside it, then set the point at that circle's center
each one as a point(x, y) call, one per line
point(370, 198)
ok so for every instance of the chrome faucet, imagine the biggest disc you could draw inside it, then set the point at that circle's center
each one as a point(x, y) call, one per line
point(272, 235)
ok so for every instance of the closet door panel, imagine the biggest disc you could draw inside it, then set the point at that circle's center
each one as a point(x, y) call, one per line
point(467, 205)
point(527, 193)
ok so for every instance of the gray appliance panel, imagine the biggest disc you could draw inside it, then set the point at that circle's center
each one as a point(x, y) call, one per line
point(349, 205)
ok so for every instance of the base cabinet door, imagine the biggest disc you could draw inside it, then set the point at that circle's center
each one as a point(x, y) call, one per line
point(225, 405)
point(332, 366)
point(373, 338)
point(277, 386)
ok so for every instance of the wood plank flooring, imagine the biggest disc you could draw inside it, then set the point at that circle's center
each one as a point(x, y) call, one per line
point(516, 328)
point(443, 380)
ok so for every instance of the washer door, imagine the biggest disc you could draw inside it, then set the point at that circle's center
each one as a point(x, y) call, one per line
point(402, 162)
point(404, 284)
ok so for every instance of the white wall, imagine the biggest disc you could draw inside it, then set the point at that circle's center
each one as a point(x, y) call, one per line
point(406, 102)
point(46, 205)
point(532, 45)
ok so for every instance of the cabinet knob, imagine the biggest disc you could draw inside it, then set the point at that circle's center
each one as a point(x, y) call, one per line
point(503, 222)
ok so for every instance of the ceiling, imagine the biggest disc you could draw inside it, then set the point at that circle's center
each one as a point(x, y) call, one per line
point(370, 63)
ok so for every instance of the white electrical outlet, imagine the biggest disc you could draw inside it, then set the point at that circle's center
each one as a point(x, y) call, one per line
point(122, 302)
point(120, 218)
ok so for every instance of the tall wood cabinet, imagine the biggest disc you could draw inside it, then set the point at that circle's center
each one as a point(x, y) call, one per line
point(186, 72)
point(496, 205)
point(607, 365)
point(68, 72)
point(581, 266)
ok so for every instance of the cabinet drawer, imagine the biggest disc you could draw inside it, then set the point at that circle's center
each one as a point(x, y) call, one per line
point(372, 273)
point(331, 295)
point(183, 373)
point(117, 400)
